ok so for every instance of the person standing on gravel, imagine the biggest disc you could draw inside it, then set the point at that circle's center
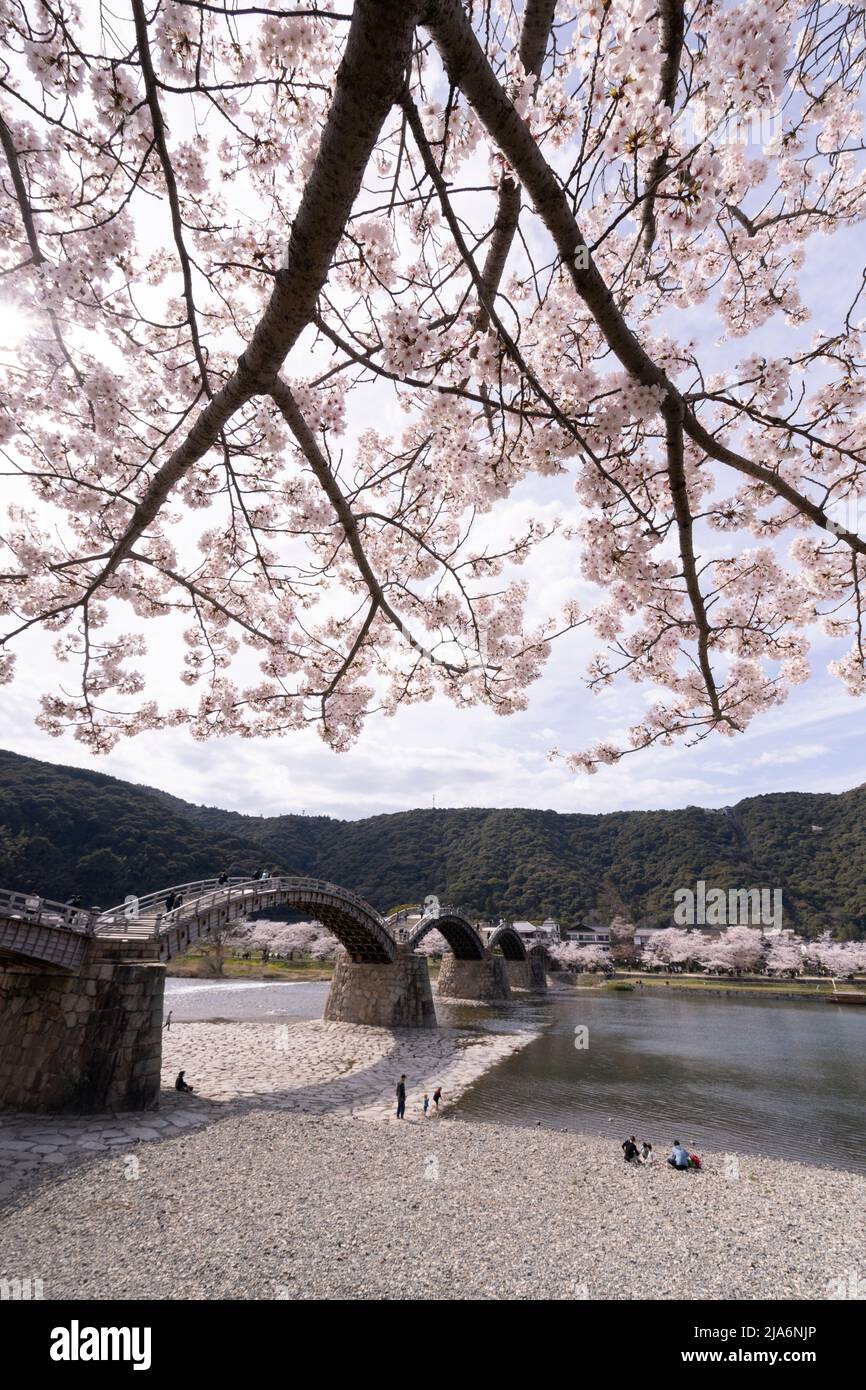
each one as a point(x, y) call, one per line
point(401, 1097)
point(437, 1096)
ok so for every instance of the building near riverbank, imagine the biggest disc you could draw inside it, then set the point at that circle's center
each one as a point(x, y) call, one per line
point(546, 933)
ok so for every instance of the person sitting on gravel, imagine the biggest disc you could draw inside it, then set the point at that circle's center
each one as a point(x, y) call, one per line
point(629, 1149)
point(180, 1084)
point(679, 1156)
point(646, 1154)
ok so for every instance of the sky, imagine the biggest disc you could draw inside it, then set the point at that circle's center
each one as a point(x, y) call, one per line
point(433, 754)
point(436, 755)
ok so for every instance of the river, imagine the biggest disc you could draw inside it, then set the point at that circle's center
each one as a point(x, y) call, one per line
point(724, 1073)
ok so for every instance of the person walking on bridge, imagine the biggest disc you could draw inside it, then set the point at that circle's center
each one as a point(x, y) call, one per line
point(401, 1097)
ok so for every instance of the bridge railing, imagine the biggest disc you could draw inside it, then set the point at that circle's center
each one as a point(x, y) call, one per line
point(405, 933)
point(152, 905)
point(402, 914)
point(30, 907)
point(396, 919)
point(155, 918)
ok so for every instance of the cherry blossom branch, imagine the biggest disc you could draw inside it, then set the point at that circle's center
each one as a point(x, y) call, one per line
point(671, 43)
point(369, 78)
point(673, 414)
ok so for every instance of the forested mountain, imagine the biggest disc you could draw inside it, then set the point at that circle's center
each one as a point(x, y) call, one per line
point(64, 830)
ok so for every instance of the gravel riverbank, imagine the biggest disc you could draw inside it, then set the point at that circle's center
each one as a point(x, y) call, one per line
point(275, 1204)
point(286, 1175)
point(312, 1067)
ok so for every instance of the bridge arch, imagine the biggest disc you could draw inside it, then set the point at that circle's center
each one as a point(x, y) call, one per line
point(209, 905)
point(463, 939)
point(509, 941)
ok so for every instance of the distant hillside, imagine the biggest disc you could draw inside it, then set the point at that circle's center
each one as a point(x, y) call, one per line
point(63, 830)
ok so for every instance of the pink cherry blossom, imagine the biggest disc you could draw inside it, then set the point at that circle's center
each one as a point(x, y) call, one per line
point(301, 298)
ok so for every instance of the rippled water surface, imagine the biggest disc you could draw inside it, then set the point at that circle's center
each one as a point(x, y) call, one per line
point(780, 1078)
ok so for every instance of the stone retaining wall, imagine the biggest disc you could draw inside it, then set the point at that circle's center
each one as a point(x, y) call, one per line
point(82, 1042)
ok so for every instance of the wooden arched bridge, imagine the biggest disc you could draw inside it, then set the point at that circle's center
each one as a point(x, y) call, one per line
point(81, 991)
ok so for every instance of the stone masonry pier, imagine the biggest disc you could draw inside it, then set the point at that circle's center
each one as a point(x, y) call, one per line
point(473, 979)
point(86, 1041)
point(385, 996)
point(530, 973)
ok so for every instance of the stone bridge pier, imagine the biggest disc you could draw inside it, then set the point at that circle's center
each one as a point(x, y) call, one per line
point(395, 995)
point(87, 1041)
point(473, 979)
point(530, 973)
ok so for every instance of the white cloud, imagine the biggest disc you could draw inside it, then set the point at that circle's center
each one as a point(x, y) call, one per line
point(800, 753)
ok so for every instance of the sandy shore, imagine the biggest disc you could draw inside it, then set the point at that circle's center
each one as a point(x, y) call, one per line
point(286, 1176)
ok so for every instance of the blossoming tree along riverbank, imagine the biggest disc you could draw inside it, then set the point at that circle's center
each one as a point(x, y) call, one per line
point(301, 293)
point(739, 949)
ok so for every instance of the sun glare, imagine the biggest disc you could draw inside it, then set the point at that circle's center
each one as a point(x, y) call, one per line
point(16, 325)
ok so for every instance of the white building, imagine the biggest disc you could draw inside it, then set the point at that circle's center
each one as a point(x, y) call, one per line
point(587, 936)
point(548, 932)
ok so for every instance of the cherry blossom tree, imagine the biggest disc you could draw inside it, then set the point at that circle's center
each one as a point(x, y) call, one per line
point(673, 947)
point(622, 947)
point(285, 938)
point(785, 954)
point(574, 956)
point(841, 959)
point(738, 950)
point(304, 292)
point(216, 946)
point(433, 944)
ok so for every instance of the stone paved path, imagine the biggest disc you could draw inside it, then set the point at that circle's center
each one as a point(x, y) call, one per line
point(313, 1067)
